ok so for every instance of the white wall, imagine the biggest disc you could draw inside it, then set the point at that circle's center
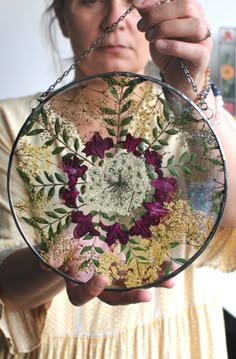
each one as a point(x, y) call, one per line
point(26, 64)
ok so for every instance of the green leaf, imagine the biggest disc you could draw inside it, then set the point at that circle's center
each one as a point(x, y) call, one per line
point(35, 132)
point(51, 192)
point(142, 258)
point(123, 132)
point(111, 81)
point(139, 249)
point(163, 142)
point(109, 155)
point(57, 126)
point(170, 160)
point(193, 156)
point(102, 238)
point(159, 122)
point(155, 132)
point(59, 228)
point(108, 111)
point(126, 106)
point(49, 177)
point(99, 250)
point(110, 121)
point(114, 93)
point(126, 120)
point(135, 82)
point(40, 220)
point(28, 127)
point(156, 148)
point(30, 222)
point(172, 132)
point(168, 268)
point(23, 176)
point(59, 177)
point(180, 260)
point(105, 215)
point(151, 175)
point(111, 132)
point(65, 136)
point(49, 142)
point(173, 172)
point(128, 256)
point(127, 92)
point(44, 115)
point(51, 214)
point(76, 144)
point(218, 195)
point(60, 210)
point(86, 249)
point(58, 150)
point(133, 241)
point(96, 262)
point(174, 244)
point(88, 237)
point(186, 170)
point(183, 157)
point(39, 179)
point(68, 221)
point(51, 234)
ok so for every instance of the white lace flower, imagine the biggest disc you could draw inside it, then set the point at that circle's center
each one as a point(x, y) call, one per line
point(119, 185)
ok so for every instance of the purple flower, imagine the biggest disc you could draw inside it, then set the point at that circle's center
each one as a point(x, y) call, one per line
point(74, 170)
point(131, 143)
point(115, 232)
point(97, 146)
point(156, 210)
point(142, 226)
point(83, 224)
point(153, 158)
point(69, 197)
point(165, 189)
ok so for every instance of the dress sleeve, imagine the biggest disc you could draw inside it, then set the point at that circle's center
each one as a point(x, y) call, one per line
point(22, 330)
point(221, 252)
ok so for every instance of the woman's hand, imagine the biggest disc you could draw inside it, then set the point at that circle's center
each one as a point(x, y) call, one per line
point(177, 30)
point(95, 287)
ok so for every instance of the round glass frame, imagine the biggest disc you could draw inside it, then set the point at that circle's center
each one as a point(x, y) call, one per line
point(129, 181)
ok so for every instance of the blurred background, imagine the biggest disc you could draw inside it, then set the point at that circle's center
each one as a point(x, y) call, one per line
point(28, 65)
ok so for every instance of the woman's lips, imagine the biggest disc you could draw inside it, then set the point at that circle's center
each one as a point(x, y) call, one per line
point(113, 48)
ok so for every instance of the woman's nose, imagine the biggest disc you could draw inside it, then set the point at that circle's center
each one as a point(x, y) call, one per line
point(114, 10)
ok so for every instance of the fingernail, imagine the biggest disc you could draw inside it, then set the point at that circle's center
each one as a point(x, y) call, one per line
point(137, 2)
point(141, 25)
point(161, 44)
point(150, 34)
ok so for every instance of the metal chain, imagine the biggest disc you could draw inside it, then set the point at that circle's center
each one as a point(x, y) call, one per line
point(202, 103)
point(85, 54)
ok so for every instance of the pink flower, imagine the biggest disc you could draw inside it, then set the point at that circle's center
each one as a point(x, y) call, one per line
point(165, 189)
point(97, 146)
point(74, 170)
point(156, 210)
point(131, 143)
point(153, 158)
point(69, 197)
point(83, 224)
point(142, 226)
point(115, 232)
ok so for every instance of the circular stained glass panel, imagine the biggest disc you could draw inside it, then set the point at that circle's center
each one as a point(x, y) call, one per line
point(119, 174)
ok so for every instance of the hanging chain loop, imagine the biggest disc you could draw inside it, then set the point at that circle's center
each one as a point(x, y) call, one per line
point(85, 54)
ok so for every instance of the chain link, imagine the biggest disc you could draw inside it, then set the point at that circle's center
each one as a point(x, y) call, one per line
point(85, 54)
point(202, 103)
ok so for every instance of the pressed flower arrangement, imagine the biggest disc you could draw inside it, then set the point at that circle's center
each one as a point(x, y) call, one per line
point(122, 181)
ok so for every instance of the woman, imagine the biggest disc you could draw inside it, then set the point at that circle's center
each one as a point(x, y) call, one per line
point(184, 322)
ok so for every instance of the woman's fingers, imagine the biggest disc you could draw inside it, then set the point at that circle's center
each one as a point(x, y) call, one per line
point(80, 294)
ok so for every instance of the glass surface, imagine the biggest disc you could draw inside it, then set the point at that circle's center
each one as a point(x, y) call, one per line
point(128, 181)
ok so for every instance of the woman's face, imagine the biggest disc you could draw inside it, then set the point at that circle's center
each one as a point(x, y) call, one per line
point(124, 49)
